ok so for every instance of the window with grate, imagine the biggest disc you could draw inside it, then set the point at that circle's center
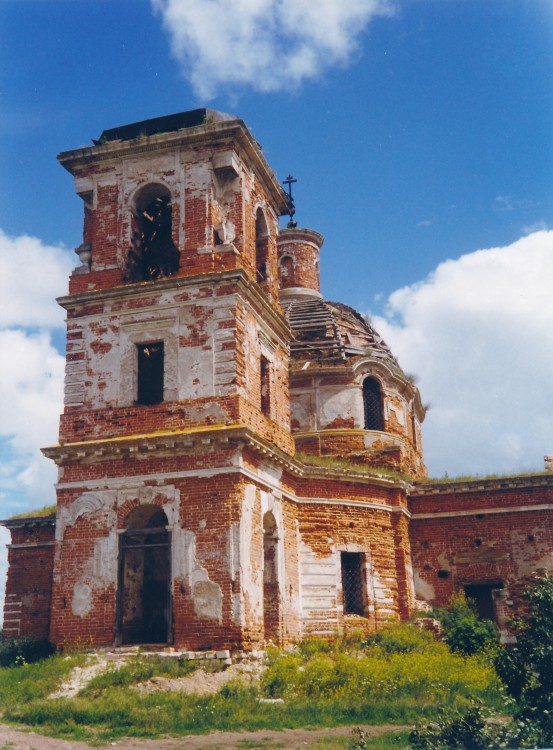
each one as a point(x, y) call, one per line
point(353, 589)
point(372, 400)
point(150, 373)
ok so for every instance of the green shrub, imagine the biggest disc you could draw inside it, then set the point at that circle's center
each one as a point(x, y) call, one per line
point(464, 631)
point(24, 650)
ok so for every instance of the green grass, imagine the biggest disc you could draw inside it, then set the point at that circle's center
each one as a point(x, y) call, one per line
point(21, 685)
point(139, 670)
point(388, 741)
point(480, 477)
point(331, 462)
point(399, 676)
point(49, 510)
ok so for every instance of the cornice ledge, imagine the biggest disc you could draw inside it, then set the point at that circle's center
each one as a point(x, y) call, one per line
point(453, 487)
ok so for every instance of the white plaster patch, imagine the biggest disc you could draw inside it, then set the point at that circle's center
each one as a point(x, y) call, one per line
point(423, 589)
point(238, 617)
point(207, 596)
point(81, 603)
point(87, 503)
point(251, 578)
point(318, 586)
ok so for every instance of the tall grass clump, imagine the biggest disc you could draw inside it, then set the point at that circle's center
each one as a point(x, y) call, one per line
point(27, 682)
point(397, 664)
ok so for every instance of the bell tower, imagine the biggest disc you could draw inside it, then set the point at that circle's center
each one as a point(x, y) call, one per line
point(176, 387)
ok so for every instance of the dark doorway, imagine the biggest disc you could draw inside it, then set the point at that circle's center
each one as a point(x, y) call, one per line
point(481, 596)
point(144, 601)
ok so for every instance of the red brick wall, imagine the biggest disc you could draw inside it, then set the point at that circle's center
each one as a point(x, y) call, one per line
point(29, 582)
point(481, 532)
point(302, 245)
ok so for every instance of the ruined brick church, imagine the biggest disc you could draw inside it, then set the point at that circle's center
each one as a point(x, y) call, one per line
point(240, 460)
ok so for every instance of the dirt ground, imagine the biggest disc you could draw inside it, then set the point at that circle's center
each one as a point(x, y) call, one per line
point(288, 739)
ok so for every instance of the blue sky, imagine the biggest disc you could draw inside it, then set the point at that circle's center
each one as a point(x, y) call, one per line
point(421, 134)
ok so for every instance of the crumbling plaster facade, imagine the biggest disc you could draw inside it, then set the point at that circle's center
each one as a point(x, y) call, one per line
point(265, 480)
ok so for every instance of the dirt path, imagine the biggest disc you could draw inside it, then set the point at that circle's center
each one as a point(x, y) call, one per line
point(288, 739)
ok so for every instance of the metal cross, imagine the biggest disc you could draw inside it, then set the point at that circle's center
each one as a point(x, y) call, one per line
point(289, 181)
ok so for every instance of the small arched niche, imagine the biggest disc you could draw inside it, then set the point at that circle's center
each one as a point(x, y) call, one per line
point(152, 254)
point(271, 588)
point(261, 245)
point(373, 404)
point(286, 271)
point(144, 593)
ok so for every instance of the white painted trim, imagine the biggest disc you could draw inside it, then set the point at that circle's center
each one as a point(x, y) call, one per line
point(481, 512)
point(136, 481)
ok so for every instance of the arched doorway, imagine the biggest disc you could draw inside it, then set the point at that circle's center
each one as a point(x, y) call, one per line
point(271, 591)
point(144, 594)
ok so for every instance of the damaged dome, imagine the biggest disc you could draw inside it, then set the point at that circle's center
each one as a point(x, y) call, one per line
point(331, 332)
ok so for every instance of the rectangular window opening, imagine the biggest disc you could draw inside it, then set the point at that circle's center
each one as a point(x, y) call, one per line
point(150, 373)
point(265, 375)
point(481, 595)
point(352, 582)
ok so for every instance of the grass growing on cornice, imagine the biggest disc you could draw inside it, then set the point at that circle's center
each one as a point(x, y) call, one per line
point(481, 477)
point(49, 510)
point(330, 462)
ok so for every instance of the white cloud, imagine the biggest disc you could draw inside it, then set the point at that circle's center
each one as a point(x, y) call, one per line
point(32, 274)
point(270, 45)
point(537, 226)
point(479, 334)
point(31, 373)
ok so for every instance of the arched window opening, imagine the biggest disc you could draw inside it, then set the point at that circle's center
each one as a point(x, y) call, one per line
point(286, 271)
point(261, 245)
point(152, 254)
point(271, 593)
point(144, 592)
point(146, 517)
point(372, 401)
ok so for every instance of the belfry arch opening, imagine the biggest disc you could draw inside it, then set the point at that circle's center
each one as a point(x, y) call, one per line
point(152, 254)
point(261, 245)
point(271, 589)
point(373, 404)
point(144, 593)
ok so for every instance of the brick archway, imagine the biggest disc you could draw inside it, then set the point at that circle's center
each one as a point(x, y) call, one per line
point(144, 590)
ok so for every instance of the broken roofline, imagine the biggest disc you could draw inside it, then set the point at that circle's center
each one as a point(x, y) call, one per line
point(234, 128)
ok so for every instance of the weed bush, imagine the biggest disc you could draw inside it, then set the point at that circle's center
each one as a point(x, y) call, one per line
point(24, 650)
point(464, 631)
